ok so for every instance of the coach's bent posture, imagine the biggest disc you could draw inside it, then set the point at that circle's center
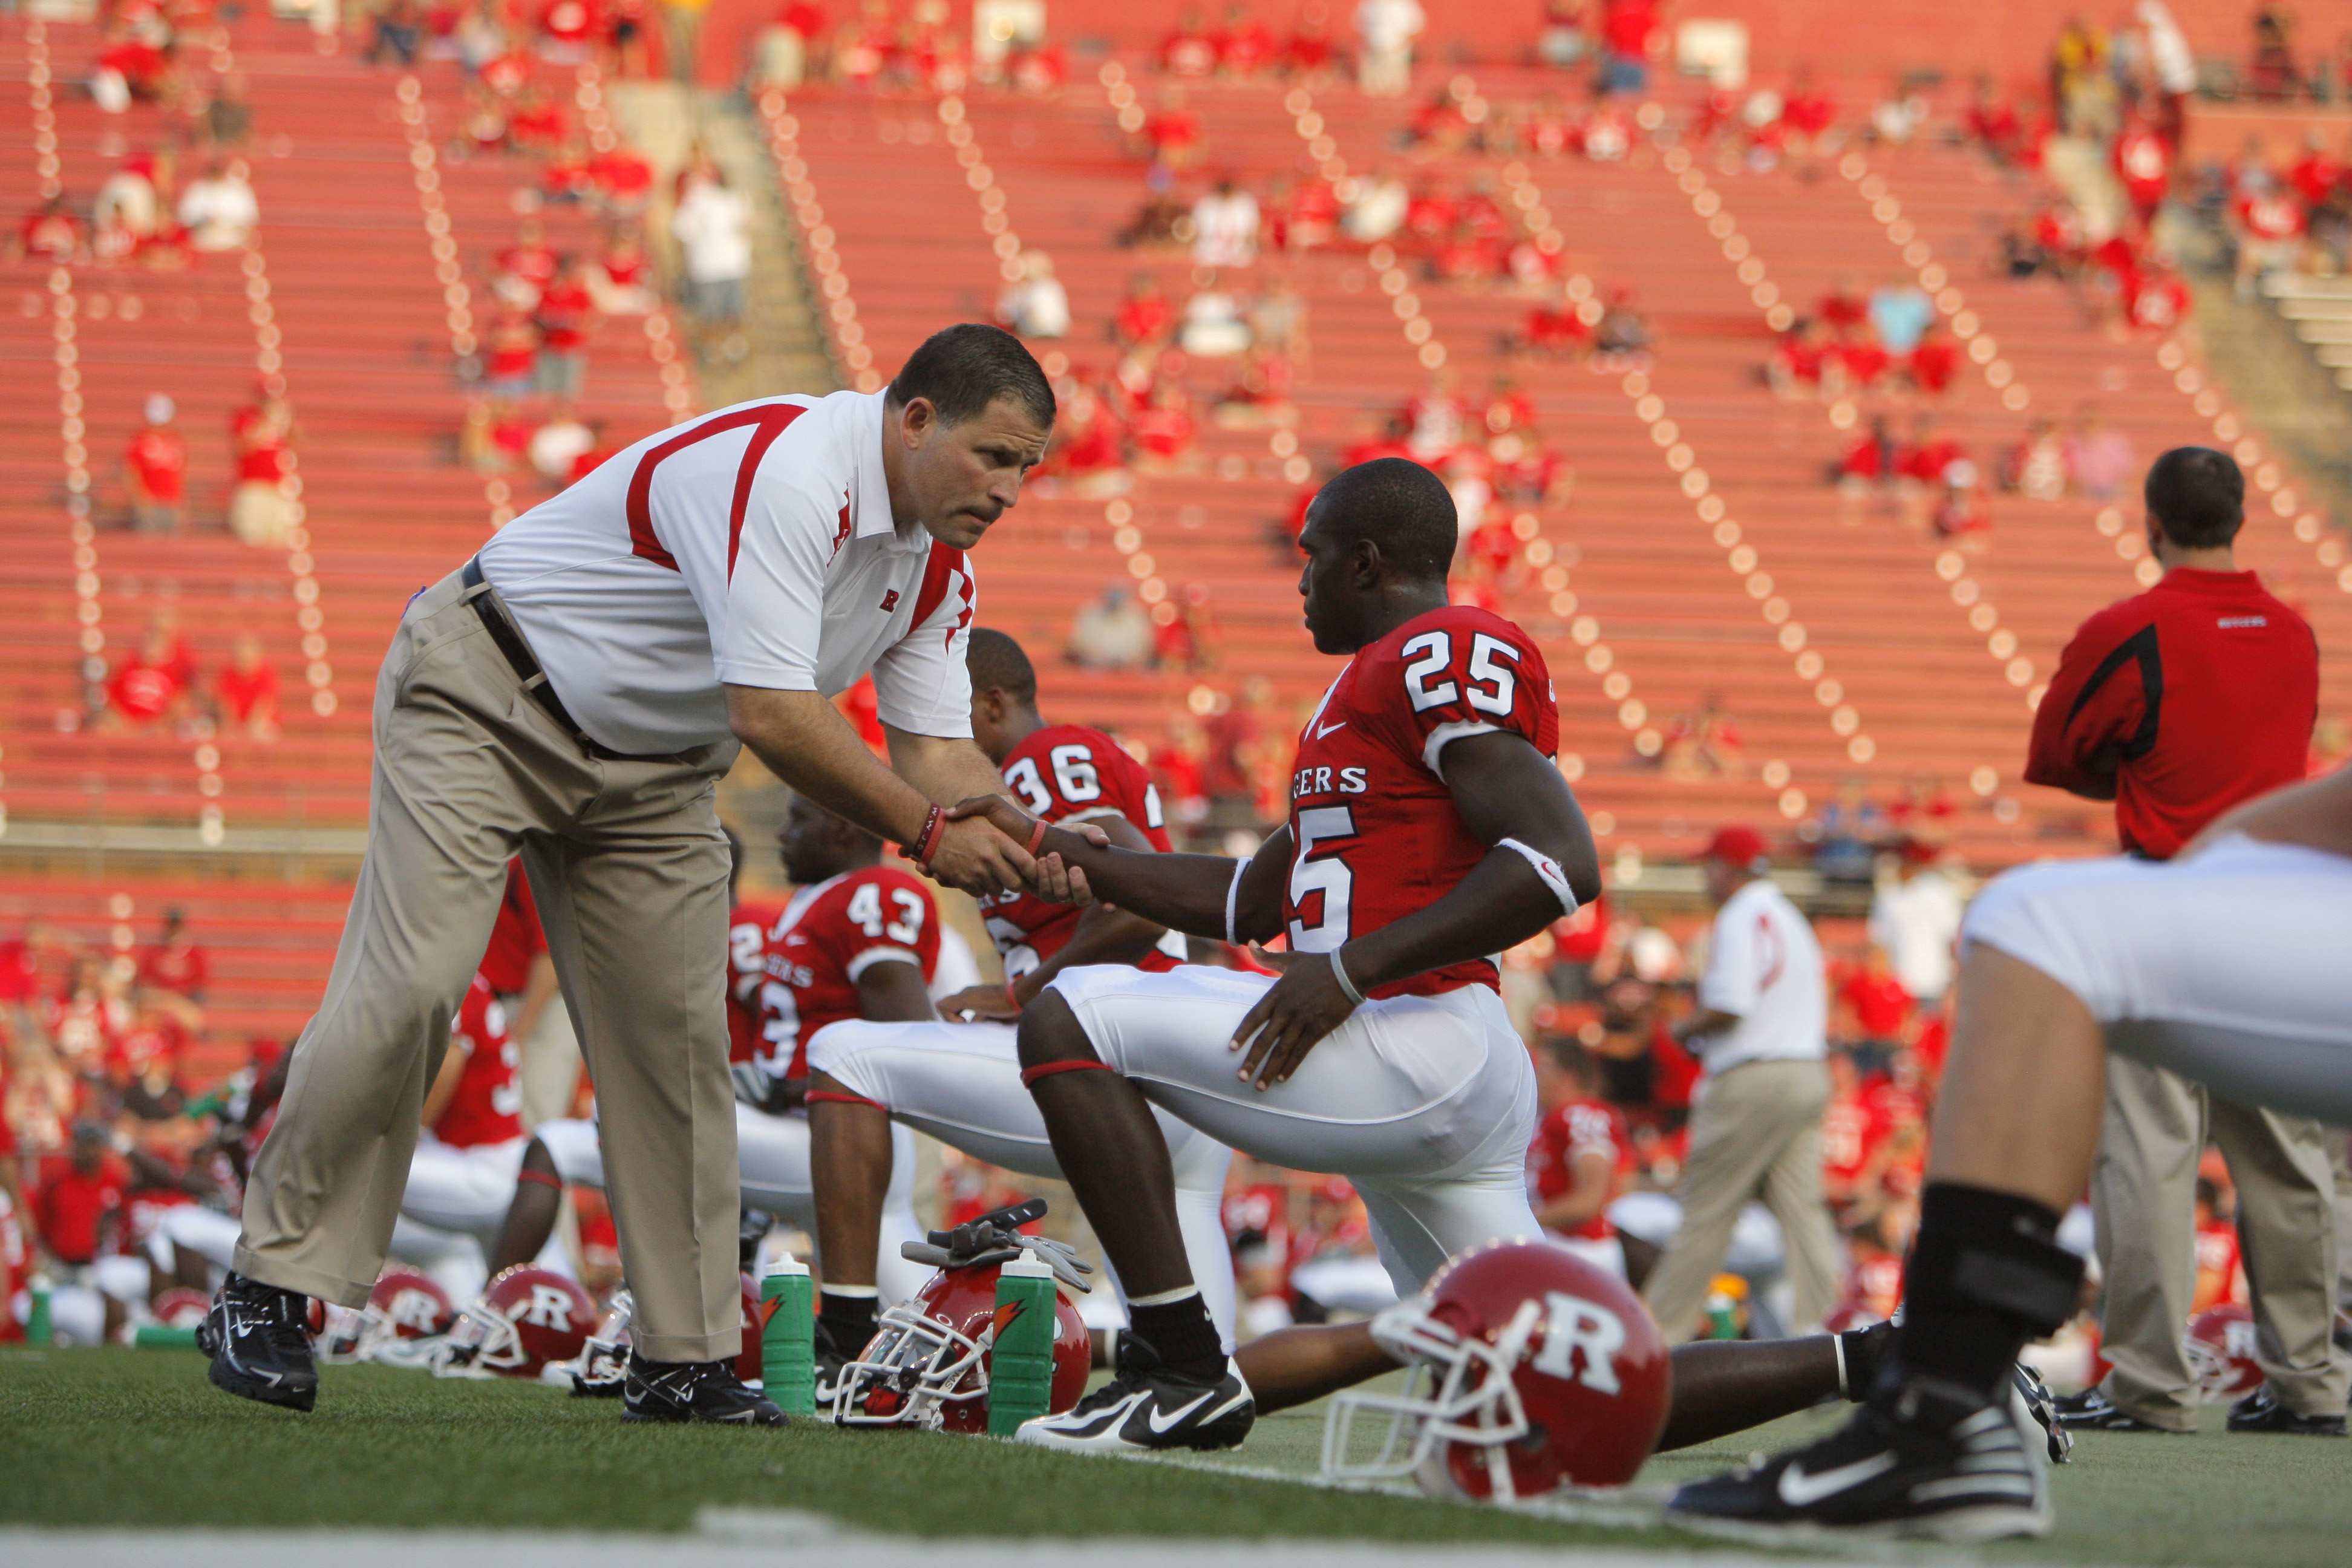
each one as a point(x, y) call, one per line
point(575, 692)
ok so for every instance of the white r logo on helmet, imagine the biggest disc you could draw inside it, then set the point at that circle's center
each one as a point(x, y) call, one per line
point(1573, 1324)
point(552, 1309)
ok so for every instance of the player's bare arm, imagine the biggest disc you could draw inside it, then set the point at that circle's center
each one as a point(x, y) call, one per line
point(1105, 934)
point(445, 1082)
point(2317, 815)
point(893, 992)
point(805, 741)
point(1587, 1194)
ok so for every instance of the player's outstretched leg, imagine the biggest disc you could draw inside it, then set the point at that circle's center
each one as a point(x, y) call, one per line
point(1944, 1447)
point(1175, 1387)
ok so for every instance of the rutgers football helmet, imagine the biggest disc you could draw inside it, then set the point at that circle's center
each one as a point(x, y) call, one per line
point(528, 1321)
point(2221, 1347)
point(1529, 1369)
point(405, 1314)
point(927, 1365)
point(181, 1308)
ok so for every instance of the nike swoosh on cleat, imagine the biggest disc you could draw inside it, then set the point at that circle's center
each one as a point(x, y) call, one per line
point(1799, 1489)
point(1160, 1427)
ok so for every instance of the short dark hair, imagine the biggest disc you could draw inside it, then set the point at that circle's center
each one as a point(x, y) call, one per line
point(960, 370)
point(997, 664)
point(2198, 496)
point(1400, 506)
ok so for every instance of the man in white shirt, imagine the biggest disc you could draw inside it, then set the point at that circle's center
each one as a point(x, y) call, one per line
point(1225, 227)
point(1761, 1033)
point(712, 226)
point(575, 694)
point(1915, 915)
point(219, 211)
point(1384, 64)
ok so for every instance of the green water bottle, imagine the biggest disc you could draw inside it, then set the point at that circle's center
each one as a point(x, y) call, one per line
point(37, 1329)
point(1021, 1362)
point(788, 1336)
point(164, 1336)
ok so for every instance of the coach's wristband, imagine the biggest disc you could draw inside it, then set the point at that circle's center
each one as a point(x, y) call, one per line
point(1546, 868)
point(1347, 986)
point(1232, 898)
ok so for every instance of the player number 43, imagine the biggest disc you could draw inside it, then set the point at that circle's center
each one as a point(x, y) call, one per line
point(1492, 678)
point(865, 912)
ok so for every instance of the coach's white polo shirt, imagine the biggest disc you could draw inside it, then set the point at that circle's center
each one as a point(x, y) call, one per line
point(1764, 964)
point(752, 547)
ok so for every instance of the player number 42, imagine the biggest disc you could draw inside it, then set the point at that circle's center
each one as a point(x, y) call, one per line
point(1492, 678)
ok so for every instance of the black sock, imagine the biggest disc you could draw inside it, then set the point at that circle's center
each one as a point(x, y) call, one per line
point(1185, 1336)
point(1985, 1276)
point(848, 1321)
point(1862, 1352)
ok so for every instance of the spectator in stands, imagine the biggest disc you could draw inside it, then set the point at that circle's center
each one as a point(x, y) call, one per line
point(1703, 745)
point(245, 693)
point(1799, 362)
point(50, 233)
point(1899, 312)
point(176, 963)
point(1309, 54)
point(618, 280)
point(712, 226)
point(557, 445)
point(1215, 325)
point(1622, 328)
point(1162, 427)
point(2099, 459)
point(2269, 225)
point(1991, 121)
point(129, 210)
point(1558, 328)
point(1247, 49)
point(228, 116)
point(1563, 40)
point(2270, 74)
point(1915, 915)
point(1146, 319)
point(1377, 211)
point(510, 369)
point(219, 211)
point(398, 27)
point(1387, 29)
point(153, 683)
point(525, 269)
point(1086, 455)
point(2143, 161)
point(1278, 338)
point(1111, 632)
point(1172, 136)
point(1225, 227)
point(1850, 825)
point(261, 513)
point(156, 467)
point(1627, 27)
point(1037, 306)
point(1957, 505)
point(2036, 466)
point(566, 313)
point(1935, 359)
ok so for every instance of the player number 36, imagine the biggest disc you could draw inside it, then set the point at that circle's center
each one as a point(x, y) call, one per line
point(1493, 680)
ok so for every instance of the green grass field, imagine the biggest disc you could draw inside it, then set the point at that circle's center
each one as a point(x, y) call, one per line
point(139, 1438)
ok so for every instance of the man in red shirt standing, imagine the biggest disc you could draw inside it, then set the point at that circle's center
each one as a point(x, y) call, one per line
point(2177, 704)
point(157, 464)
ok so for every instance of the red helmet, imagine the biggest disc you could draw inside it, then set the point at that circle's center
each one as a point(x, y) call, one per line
point(181, 1308)
point(928, 1365)
point(404, 1313)
point(2221, 1346)
point(1529, 1369)
point(527, 1322)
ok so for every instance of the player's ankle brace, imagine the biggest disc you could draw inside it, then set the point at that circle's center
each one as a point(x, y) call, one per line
point(1986, 1275)
point(1183, 1335)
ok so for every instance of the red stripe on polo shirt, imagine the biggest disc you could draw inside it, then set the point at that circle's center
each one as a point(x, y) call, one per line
point(770, 420)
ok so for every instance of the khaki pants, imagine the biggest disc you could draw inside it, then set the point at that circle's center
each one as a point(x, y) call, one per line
point(1756, 1133)
point(2143, 1196)
point(629, 867)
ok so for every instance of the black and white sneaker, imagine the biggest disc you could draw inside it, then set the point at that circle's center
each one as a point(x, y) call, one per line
point(1145, 1405)
point(2092, 1410)
point(2263, 1411)
point(2042, 1405)
point(1927, 1459)
point(259, 1338)
point(694, 1391)
point(829, 1362)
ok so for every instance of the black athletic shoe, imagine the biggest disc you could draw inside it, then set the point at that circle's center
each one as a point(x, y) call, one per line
point(1145, 1405)
point(2260, 1411)
point(258, 1337)
point(1926, 1460)
point(2042, 1405)
point(831, 1361)
point(2092, 1410)
point(694, 1391)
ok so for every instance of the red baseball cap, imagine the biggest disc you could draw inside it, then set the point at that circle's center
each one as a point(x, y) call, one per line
point(1736, 845)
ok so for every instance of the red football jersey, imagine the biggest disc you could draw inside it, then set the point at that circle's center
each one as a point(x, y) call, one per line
point(828, 936)
point(488, 1106)
point(1067, 772)
point(747, 971)
point(1376, 837)
point(516, 940)
point(1567, 1130)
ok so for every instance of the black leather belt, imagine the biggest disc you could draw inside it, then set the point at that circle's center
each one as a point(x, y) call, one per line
point(519, 654)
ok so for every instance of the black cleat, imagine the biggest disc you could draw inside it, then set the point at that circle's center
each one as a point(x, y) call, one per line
point(831, 1361)
point(259, 1340)
point(694, 1391)
point(2092, 1410)
point(1926, 1460)
point(1145, 1405)
point(2262, 1411)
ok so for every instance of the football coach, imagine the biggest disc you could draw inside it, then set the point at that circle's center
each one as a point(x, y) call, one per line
point(574, 693)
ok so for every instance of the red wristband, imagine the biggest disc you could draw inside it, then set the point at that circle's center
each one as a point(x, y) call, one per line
point(1012, 999)
point(1036, 837)
point(927, 842)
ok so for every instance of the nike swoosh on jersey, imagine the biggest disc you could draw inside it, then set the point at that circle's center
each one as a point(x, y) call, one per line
point(1799, 1489)
point(1322, 730)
